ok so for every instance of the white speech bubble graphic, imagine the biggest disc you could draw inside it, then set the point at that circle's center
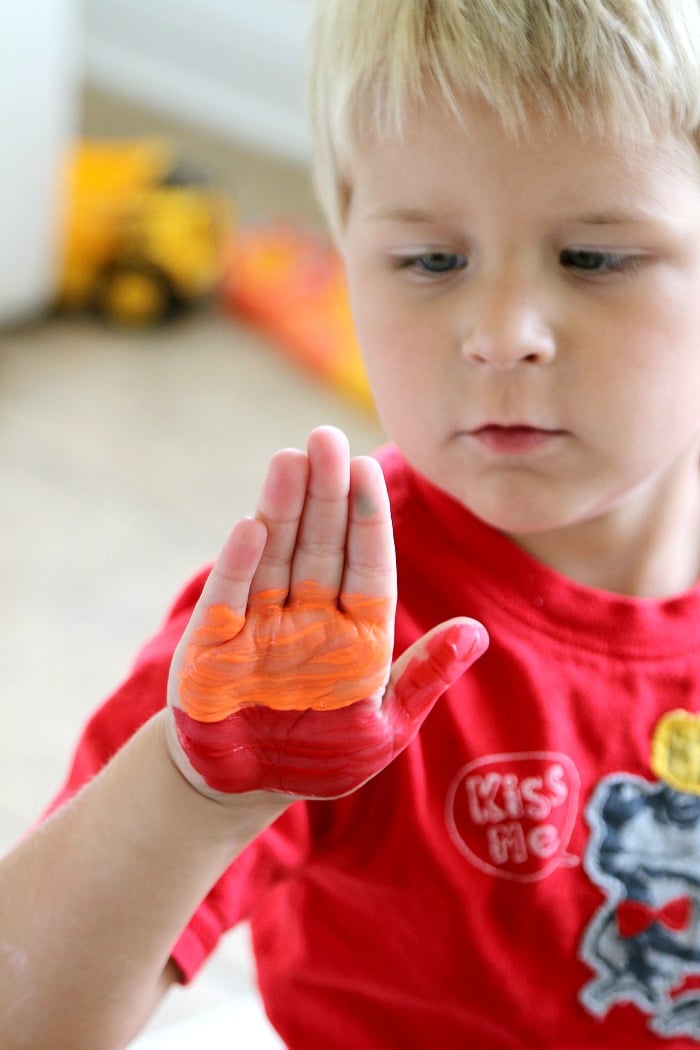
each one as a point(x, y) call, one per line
point(512, 815)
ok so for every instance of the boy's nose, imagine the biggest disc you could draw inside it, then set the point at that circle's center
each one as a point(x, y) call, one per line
point(504, 327)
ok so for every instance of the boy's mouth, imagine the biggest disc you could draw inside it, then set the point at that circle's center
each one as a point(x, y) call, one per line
point(513, 440)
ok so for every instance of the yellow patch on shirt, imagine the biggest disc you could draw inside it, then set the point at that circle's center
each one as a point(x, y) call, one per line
point(675, 751)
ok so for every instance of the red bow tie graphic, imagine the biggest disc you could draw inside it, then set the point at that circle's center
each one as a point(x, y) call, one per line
point(634, 917)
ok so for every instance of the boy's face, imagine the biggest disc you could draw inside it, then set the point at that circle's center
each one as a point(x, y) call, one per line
point(530, 316)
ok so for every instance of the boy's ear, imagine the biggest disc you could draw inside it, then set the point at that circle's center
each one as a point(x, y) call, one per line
point(336, 218)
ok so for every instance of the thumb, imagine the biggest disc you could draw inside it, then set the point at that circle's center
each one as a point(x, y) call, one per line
point(422, 674)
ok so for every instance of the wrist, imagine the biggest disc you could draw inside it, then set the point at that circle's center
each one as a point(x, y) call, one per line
point(238, 817)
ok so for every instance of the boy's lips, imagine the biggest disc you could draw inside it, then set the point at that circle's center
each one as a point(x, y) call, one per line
point(514, 440)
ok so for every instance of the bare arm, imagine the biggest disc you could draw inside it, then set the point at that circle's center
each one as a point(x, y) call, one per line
point(91, 904)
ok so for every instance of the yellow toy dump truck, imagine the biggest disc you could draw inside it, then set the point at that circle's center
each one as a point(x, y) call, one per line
point(144, 235)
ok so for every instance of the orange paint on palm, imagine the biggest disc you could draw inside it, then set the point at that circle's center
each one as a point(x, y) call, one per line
point(305, 654)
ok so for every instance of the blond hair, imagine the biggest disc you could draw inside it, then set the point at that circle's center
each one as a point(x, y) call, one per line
point(604, 64)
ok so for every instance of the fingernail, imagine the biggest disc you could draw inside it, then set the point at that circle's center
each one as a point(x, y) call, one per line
point(466, 640)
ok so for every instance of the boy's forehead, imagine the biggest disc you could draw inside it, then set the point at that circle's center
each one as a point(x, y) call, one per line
point(471, 118)
point(444, 151)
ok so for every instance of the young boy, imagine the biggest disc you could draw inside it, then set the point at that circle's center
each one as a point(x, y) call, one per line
point(516, 191)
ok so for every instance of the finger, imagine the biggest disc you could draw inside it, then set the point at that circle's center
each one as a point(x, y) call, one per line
point(230, 578)
point(280, 508)
point(370, 567)
point(320, 550)
point(423, 673)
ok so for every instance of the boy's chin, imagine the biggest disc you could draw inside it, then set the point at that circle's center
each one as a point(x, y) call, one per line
point(518, 519)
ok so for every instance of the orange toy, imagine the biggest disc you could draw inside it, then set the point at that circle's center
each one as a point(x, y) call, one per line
point(291, 284)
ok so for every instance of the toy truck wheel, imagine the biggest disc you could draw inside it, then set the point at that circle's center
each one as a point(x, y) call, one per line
point(133, 294)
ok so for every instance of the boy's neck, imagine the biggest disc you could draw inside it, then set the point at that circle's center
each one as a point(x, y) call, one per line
point(648, 549)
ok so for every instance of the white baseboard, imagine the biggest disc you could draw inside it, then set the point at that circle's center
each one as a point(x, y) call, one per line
point(234, 66)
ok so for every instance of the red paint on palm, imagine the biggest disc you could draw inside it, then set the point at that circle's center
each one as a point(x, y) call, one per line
point(326, 754)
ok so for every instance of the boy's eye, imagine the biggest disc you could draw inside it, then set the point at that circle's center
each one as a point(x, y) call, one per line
point(596, 262)
point(435, 264)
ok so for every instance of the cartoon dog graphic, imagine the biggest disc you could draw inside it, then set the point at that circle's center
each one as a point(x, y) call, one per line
point(643, 943)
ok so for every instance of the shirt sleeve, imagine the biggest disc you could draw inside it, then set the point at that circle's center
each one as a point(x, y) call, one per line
point(140, 696)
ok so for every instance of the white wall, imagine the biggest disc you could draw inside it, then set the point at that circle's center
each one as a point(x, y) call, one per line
point(39, 84)
point(234, 66)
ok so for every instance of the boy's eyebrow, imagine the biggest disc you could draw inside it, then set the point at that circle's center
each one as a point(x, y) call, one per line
point(401, 213)
point(610, 218)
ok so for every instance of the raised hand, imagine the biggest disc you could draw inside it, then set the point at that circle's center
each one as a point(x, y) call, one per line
point(283, 679)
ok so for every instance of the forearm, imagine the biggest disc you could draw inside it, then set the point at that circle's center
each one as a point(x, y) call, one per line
point(91, 904)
